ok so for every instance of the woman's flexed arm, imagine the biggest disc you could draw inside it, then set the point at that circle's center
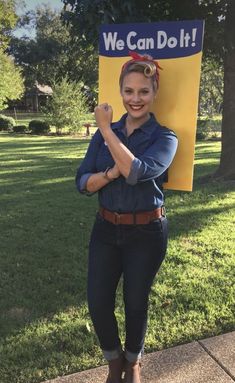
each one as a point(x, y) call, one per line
point(120, 153)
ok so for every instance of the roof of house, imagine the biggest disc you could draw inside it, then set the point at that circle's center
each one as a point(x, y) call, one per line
point(40, 89)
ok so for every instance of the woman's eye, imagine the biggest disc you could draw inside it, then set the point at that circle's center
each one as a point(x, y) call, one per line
point(145, 91)
point(128, 91)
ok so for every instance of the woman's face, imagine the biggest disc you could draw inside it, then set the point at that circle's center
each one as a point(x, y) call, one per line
point(138, 95)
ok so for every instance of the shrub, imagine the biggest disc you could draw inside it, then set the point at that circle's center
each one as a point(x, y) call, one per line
point(20, 129)
point(203, 130)
point(39, 127)
point(209, 127)
point(67, 106)
point(6, 123)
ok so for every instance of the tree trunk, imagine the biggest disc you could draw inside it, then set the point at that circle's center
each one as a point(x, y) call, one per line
point(226, 168)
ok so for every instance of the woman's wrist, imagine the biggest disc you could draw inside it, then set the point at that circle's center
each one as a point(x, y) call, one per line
point(106, 131)
point(107, 174)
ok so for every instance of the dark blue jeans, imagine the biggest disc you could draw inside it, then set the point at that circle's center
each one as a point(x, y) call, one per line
point(136, 252)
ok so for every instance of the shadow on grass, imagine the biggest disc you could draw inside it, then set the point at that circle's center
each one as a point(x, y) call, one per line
point(44, 256)
point(203, 156)
point(45, 226)
point(189, 221)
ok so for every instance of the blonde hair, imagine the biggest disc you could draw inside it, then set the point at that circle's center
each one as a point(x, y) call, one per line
point(147, 68)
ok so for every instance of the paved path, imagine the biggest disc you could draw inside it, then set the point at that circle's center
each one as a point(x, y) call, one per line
point(210, 360)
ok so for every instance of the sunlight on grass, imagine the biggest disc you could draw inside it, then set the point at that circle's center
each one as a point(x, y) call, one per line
point(55, 180)
point(45, 224)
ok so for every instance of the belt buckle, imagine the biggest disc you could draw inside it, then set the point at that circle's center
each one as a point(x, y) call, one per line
point(117, 218)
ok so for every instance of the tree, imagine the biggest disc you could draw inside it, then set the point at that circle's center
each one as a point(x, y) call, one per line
point(227, 160)
point(8, 19)
point(11, 82)
point(86, 15)
point(53, 52)
point(67, 105)
point(42, 58)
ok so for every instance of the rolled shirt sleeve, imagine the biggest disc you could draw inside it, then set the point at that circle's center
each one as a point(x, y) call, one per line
point(155, 160)
point(88, 165)
point(83, 183)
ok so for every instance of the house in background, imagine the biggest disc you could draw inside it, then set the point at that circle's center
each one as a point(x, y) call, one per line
point(33, 99)
point(36, 97)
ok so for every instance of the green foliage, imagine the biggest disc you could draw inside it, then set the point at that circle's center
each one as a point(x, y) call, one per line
point(208, 128)
point(67, 106)
point(44, 57)
point(211, 87)
point(202, 130)
point(8, 19)
point(54, 52)
point(20, 129)
point(6, 123)
point(11, 82)
point(39, 127)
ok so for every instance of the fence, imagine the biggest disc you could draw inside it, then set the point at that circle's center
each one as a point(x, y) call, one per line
point(22, 114)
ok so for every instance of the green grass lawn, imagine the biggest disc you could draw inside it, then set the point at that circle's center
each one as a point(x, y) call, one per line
point(45, 224)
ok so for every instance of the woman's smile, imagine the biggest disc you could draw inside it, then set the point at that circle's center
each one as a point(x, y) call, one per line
point(136, 107)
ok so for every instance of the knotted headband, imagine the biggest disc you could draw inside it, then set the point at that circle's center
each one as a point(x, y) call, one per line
point(137, 57)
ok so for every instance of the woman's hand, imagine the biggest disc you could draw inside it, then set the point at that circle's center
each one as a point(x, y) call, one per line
point(103, 116)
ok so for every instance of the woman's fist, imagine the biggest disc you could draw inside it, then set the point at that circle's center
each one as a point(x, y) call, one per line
point(103, 116)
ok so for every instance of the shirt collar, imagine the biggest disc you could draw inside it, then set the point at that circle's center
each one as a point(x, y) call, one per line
point(147, 127)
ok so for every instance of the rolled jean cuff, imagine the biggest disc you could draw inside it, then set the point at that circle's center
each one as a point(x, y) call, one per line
point(113, 354)
point(132, 356)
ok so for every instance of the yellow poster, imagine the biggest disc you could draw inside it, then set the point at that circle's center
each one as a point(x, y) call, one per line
point(177, 46)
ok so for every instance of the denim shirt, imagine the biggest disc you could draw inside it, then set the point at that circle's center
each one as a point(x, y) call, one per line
point(154, 148)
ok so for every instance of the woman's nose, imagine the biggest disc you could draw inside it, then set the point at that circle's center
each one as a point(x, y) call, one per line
point(136, 97)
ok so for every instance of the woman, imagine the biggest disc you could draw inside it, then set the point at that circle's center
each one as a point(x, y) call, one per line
point(125, 163)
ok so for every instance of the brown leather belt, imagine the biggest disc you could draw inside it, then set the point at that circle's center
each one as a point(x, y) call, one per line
point(141, 218)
